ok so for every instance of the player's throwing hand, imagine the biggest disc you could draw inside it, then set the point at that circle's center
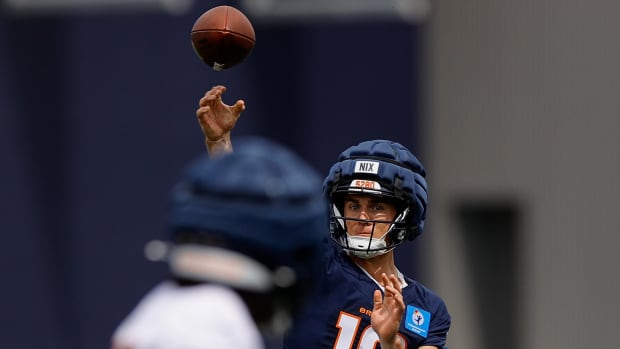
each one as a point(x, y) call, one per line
point(217, 119)
point(387, 312)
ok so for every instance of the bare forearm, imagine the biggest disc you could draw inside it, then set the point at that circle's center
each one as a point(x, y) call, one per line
point(219, 147)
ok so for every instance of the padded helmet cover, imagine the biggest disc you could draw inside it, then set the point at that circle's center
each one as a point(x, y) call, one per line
point(399, 173)
point(262, 200)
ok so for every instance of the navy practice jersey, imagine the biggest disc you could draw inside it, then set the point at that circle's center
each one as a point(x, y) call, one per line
point(338, 317)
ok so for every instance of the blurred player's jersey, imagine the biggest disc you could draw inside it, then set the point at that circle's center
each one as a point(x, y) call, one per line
point(339, 315)
point(193, 317)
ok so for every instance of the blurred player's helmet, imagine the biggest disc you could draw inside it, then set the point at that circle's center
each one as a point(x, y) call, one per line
point(380, 168)
point(253, 220)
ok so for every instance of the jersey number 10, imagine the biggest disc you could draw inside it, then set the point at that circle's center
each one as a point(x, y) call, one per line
point(348, 325)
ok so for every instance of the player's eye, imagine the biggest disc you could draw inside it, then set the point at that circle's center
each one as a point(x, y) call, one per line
point(353, 206)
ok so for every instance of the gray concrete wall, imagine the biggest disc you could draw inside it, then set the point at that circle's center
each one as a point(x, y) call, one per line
point(524, 105)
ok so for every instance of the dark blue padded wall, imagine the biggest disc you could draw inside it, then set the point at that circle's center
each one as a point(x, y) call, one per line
point(97, 119)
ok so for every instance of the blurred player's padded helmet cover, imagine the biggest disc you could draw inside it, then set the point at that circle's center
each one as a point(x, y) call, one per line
point(385, 169)
point(254, 217)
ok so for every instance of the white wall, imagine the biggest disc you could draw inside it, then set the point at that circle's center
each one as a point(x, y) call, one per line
point(524, 103)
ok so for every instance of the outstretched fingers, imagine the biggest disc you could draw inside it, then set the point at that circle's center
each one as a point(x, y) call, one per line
point(239, 107)
point(216, 118)
point(214, 94)
point(393, 293)
point(388, 309)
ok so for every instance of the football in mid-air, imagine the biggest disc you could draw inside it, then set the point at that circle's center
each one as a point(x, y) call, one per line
point(223, 37)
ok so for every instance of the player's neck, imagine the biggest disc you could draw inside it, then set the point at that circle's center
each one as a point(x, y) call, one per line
point(377, 265)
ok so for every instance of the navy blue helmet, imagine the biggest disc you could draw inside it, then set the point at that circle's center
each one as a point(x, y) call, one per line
point(385, 169)
point(253, 219)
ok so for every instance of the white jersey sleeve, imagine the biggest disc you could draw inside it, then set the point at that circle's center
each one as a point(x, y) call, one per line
point(193, 317)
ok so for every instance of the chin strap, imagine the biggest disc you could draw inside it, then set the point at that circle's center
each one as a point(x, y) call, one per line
point(365, 247)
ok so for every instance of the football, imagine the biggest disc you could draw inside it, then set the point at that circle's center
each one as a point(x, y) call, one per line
point(223, 37)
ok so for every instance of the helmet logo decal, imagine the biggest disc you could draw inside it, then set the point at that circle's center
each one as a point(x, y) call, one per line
point(364, 184)
point(366, 167)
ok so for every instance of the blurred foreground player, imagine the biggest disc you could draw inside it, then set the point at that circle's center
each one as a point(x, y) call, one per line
point(377, 195)
point(245, 246)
